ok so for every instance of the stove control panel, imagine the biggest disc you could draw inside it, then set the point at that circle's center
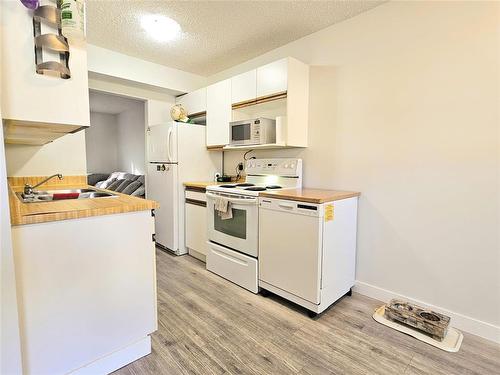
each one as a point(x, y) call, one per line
point(277, 167)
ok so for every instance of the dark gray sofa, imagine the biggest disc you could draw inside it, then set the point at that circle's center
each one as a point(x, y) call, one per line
point(121, 182)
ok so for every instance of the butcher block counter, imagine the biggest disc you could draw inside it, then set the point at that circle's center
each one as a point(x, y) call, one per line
point(204, 184)
point(310, 195)
point(40, 212)
point(200, 185)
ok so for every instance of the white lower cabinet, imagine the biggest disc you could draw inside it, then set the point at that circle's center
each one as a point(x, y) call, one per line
point(196, 224)
point(86, 292)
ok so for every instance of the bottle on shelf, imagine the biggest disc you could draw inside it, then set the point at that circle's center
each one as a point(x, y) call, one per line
point(73, 20)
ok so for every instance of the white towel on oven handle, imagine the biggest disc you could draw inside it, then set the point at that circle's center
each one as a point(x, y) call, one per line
point(223, 208)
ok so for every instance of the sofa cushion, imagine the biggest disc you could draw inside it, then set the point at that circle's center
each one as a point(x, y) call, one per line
point(94, 178)
point(124, 176)
point(123, 185)
point(105, 184)
point(119, 182)
point(112, 186)
point(140, 192)
point(132, 187)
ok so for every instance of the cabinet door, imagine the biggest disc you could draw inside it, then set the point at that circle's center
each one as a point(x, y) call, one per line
point(157, 112)
point(194, 102)
point(196, 228)
point(218, 113)
point(29, 97)
point(99, 296)
point(244, 87)
point(272, 78)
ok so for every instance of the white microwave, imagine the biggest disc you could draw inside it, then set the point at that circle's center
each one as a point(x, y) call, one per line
point(257, 131)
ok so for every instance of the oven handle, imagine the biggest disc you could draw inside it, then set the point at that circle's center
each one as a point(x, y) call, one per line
point(233, 200)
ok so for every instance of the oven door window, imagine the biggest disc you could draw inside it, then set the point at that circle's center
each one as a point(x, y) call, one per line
point(234, 227)
point(240, 132)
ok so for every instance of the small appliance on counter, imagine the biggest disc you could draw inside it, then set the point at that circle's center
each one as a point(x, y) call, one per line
point(224, 178)
point(258, 131)
point(233, 246)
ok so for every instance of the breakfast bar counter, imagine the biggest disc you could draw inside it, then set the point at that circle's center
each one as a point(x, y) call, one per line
point(64, 209)
point(85, 268)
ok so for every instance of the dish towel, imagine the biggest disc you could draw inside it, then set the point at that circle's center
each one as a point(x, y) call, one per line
point(223, 208)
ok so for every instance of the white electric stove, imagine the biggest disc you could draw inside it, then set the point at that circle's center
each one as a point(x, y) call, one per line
point(265, 174)
point(234, 243)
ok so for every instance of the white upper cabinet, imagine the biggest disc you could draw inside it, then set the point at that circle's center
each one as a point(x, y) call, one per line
point(36, 108)
point(282, 93)
point(194, 102)
point(244, 87)
point(218, 113)
point(272, 78)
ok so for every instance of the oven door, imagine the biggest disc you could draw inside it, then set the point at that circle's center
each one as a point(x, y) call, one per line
point(241, 231)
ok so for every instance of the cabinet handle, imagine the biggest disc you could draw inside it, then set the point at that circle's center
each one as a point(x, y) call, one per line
point(196, 202)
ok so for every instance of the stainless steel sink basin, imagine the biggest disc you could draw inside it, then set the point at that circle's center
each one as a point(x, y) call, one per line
point(63, 191)
point(48, 195)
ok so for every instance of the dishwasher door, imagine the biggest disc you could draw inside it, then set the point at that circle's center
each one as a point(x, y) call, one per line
point(290, 247)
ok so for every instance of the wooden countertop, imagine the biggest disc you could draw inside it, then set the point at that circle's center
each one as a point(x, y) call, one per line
point(310, 195)
point(32, 213)
point(201, 185)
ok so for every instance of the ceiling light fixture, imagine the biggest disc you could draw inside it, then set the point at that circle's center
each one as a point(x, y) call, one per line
point(161, 28)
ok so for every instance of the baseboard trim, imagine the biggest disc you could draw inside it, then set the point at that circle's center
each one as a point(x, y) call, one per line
point(463, 322)
point(118, 359)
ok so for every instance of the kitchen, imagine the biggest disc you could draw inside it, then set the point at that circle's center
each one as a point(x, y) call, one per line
point(367, 123)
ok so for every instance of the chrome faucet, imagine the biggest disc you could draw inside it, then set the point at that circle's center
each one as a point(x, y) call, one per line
point(28, 189)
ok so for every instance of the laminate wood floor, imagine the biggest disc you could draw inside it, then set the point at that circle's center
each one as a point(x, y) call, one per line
point(207, 325)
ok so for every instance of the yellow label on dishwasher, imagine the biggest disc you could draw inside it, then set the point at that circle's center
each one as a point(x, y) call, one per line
point(329, 212)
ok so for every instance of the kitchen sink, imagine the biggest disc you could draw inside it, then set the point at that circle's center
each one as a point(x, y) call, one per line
point(63, 194)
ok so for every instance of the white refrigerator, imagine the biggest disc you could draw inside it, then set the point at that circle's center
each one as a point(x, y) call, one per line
point(176, 153)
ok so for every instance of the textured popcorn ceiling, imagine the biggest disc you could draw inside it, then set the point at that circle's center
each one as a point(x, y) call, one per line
point(216, 34)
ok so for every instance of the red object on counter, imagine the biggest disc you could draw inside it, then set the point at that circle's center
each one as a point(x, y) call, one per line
point(65, 196)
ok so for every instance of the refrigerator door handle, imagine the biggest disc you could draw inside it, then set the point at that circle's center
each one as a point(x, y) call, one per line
point(169, 144)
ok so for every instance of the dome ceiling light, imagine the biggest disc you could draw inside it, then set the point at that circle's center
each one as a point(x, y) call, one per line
point(161, 28)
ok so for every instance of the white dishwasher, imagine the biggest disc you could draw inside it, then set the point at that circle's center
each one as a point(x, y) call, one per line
point(307, 252)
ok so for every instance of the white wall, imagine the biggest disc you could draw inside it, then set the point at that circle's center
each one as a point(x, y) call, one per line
point(409, 116)
point(101, 141)
point(10, 342)
point(110, 63)
point(24, 160)
point(132, 139)
point(127, 88)
point(65, 155)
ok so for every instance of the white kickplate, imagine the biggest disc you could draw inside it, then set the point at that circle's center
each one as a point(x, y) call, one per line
point(118, 359)
point(450, 343)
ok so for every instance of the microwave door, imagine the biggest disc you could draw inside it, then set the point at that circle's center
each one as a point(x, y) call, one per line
point(241, 134)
